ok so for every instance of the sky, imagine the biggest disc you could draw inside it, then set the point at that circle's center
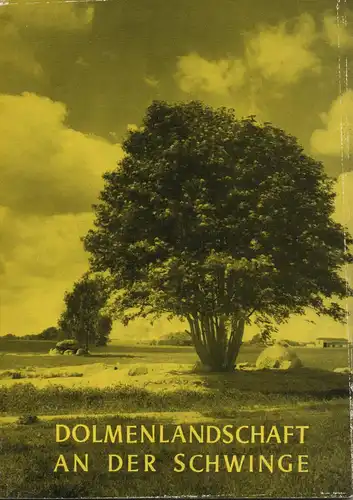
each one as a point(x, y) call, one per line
point(75, 76)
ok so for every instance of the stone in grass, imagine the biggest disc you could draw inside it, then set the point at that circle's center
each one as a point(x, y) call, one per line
point(345, 370)
point(278, 357)
point(241, 366)
point(55, 352)
point(69, 352)
point(81, 352)
point(201, 368)
point(68, 344)
point(27, 419)
point(138, 370)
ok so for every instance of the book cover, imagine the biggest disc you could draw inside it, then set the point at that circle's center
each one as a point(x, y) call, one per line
point(176, 248)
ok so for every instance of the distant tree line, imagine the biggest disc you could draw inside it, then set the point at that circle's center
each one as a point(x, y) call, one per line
point(260, 340)
point(50, 333)
point(175, 338)
point(85, 317)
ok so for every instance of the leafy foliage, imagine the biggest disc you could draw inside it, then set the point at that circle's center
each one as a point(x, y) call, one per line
point(258, 339)
point(175, 338)
point(220, 221)
point(104, 326)
point(84, 318)
point(50, 333)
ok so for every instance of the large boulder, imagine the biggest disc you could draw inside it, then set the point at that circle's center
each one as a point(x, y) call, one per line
point(55, 352)
point(278, 357)
point(69, 344)
point(81, 352)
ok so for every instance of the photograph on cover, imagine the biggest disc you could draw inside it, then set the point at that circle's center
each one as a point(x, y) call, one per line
point(176, 248)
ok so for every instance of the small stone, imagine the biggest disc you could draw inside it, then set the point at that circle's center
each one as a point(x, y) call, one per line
point(81, 352)
point(241, 366)
point(54, 352)
point(285, 365)
point(27, 419)
point(68, 352)
point(346, 369)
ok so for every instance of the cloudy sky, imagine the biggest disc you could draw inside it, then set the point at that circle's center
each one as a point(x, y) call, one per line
point(74, 76)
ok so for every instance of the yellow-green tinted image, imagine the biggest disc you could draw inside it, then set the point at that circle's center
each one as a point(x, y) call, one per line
point(176, 248)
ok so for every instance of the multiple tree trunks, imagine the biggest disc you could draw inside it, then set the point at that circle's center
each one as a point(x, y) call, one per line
point(217, 339)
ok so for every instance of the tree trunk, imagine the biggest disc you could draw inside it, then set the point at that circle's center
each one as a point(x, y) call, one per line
point(217, 339)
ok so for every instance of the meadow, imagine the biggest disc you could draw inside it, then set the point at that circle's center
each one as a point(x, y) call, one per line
point(21, 353)
point(313, 396)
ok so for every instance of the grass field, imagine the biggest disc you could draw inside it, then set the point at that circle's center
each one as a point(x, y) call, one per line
point(327, 359)
point(313, 396)
point(28, 457)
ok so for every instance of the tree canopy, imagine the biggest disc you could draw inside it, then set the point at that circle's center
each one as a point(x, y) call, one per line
point(219, 221)
point(83, 317)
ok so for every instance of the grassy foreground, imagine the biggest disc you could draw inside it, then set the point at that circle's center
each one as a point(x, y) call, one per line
point(210, 393)
point(311, 396)
point(315, 398)
point(29, 455)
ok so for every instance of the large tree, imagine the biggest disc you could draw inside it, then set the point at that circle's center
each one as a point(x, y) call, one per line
point(84, 318)
point(219, 221)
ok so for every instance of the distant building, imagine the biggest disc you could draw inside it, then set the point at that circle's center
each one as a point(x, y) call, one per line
point(331, 342)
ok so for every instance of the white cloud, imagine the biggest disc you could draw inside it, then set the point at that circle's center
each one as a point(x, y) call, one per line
point(337, 33)
point(51, 14)
point(274, 57)
point(49, 177)
point(335, 138)
point(15, 18)
point(344, 207)
point(46, 167)
point(42, 256)
point(15, 53)
point(151, 81)
point(284, 56)
point(194, 73)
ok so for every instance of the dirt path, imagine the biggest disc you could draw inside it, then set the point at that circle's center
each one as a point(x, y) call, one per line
point(188, 416)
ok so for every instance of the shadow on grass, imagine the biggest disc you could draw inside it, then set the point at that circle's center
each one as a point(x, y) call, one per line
point(114, 355)
point(305, 382)
point(200, 393)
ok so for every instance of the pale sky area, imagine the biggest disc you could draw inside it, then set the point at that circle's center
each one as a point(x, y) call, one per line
point(74, 77)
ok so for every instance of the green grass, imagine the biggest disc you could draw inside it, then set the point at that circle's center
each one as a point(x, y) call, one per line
point(311, 396)
point(222, 391)
point(312, 357)
point(29, 454)
point(24, 346)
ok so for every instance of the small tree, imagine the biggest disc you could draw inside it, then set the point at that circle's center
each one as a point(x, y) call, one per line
point(220, 222)
point(82, 316)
